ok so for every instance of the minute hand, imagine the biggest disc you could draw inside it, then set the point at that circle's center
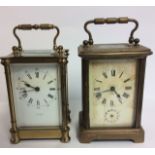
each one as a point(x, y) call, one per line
point(118, 96)
point(104, 91)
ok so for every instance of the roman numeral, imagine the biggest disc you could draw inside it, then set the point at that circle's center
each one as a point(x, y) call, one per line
point(22, 88)
point(37, 74)
point(98, 95)
point(111, 103)
point(47, 104)
point(50, 96)
point(38, 104)
point(125, 95)
point(105, 75)
point(29, 76)
point(30, 100)
point(121, 75)
point(113, 72)
point(126, 80)
point(45, 75)
point(104, 101)
point(128, 87)
point(98, 81)
point(50, 81)
point(24, 95)
point(52, 89)
point(96, 89)
point(45, 101)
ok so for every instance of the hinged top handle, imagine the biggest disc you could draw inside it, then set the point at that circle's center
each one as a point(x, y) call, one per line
point(121, 20)
point(35, 27)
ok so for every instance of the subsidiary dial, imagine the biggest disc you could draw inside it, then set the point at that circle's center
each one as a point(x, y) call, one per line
point(111, 115)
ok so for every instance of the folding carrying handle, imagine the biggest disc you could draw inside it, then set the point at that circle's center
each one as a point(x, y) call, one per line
point(35, 27)
point(121, 20)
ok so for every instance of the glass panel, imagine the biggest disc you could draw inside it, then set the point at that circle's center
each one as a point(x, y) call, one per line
point(36, 89)
point(38, 53)
point(112, 88)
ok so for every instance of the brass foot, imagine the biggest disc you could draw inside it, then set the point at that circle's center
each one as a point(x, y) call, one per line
point(65, 137)
point(14, 137)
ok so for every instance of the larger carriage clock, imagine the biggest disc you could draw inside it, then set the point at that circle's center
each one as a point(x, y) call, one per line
point(112, 87)
point(37, 90)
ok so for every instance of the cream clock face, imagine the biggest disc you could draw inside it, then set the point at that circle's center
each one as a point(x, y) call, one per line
point(112, 87)
point(36, 93)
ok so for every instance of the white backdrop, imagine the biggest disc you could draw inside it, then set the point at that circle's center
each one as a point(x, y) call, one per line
point(70, 20)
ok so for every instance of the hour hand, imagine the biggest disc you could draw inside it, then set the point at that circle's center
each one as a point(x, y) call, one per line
point(28, 85)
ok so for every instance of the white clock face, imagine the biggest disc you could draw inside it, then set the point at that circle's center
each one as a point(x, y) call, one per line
point(112, 87)
point(36, 90)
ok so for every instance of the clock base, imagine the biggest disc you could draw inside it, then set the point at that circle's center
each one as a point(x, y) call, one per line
point(28, 134)
point(88, 135)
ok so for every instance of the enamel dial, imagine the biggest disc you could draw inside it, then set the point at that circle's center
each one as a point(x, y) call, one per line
point(112, 88)
point(36, 90)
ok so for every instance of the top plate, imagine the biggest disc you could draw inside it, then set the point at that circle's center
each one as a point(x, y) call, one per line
point(113, 50)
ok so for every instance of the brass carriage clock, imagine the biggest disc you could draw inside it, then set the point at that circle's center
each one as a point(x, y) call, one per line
point(112, 87)
point(37, 90)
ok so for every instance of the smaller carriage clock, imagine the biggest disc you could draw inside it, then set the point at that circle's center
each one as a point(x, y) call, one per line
point(37, 90)
point(112, 87)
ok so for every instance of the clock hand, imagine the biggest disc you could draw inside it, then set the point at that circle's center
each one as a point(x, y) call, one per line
point(104, 91)
point(119, 98)
point(98, 94)
point(25, 91)
point(29, 90)
point(28, 85)
point(118, 95)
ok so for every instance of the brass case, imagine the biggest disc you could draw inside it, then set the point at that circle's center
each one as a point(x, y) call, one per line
point(89, 51)
point(60, 56)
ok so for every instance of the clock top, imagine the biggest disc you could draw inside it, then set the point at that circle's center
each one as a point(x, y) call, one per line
point(37, 54)
point(113, 51)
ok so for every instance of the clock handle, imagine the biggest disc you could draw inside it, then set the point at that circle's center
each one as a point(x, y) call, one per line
point(121, 20)
point(35, 27)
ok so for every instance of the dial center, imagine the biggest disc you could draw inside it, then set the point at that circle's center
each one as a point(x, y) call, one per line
point(112, 88)
point(37, 89)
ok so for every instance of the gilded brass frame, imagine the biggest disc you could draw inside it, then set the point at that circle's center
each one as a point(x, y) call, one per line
point(61, 132)
point(134, 133)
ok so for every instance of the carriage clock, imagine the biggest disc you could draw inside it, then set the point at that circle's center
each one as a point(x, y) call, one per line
point(37, 90)
point(112, 87)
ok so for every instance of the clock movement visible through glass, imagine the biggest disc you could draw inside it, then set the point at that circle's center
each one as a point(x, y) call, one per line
point(36, 89)
point(112, 88)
